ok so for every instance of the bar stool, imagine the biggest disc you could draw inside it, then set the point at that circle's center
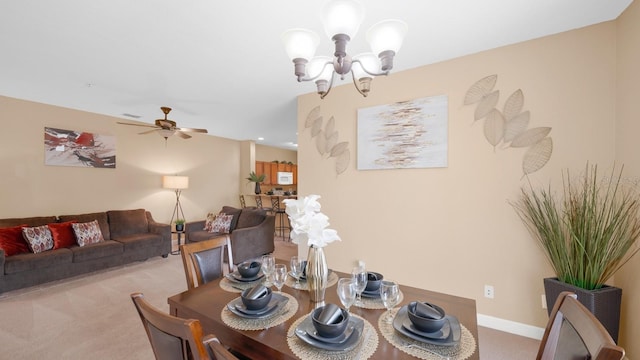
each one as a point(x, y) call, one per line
point(243, 204)
point(279, 210)
point(260, 205)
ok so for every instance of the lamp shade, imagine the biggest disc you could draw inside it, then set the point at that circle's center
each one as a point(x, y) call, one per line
point(300, 43)
point(368, 61)
point(318, 67)
point(387, 35)
point(342, 17)
point(175, 182)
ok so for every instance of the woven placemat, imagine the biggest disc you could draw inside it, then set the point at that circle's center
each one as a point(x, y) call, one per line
point(281, 316)
point(463, 350)
point(375, 303)
point(236, 286)
point(365, 348)
point(332, 279)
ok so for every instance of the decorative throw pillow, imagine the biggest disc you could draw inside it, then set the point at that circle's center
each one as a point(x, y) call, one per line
point(208, 224)
point(11, 240)
point(38, 238)
point(63, 235)
point(222, 223)
point(87, 233)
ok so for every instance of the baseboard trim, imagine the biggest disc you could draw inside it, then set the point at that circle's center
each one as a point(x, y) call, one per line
point(511, 327)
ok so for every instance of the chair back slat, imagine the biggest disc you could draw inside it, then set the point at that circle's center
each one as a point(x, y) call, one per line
point(203, 261)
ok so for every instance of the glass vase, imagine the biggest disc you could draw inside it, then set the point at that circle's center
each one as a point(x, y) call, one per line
point(317, 273)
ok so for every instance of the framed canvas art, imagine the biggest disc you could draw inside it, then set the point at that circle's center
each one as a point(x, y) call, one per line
point(402, 135)
point(77, 148)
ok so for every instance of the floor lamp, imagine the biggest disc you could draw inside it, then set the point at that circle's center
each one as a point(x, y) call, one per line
point(177, 183)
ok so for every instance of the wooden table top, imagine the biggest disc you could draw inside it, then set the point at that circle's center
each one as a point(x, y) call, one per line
point(206, 302)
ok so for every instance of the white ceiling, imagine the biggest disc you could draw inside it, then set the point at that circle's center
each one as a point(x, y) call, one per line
point(221, 65)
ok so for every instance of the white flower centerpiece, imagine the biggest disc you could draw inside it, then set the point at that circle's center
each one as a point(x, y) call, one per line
point(310, 226)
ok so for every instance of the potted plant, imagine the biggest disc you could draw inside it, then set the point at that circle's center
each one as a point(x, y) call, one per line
point(179, 224)
point(255, 178)
point(587, 234)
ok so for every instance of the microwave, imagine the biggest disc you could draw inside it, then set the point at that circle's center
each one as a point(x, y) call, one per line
point(285, 178)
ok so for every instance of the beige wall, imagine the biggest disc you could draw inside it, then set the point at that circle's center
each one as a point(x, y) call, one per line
point(627, 131)
point(29, 188)
point(452, 229)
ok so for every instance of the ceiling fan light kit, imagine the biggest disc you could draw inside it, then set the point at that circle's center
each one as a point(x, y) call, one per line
point(166, 127)
point(341, 20)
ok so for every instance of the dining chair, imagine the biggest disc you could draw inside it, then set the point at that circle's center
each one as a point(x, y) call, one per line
point(170, 337)
point(203, 261)
point(573, 332)
point(216, 350)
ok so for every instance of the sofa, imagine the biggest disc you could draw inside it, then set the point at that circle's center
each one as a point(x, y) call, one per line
point(251, 232)
point(129, 235)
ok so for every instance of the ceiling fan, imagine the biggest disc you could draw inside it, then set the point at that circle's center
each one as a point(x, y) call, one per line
point(166, 127)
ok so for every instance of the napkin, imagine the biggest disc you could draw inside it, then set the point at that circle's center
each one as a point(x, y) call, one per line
point(256, 292)
point(427, 311)
point(372, 277)
point(330, 314)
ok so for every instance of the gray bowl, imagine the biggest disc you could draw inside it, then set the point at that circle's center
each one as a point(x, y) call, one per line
point(256, 304)
point(329, 330)
point(249, 269)
point(373, 281)
point(426, 324)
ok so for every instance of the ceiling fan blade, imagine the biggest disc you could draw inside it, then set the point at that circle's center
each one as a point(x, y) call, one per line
point(183, 135)
point(192, 130)
point(123, 123)
point(148, 132)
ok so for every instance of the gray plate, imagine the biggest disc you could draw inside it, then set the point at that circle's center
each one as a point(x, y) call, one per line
point(277, 301)
point(235, 276)
point(441, 334)
point(305, 329)
point(451, 340)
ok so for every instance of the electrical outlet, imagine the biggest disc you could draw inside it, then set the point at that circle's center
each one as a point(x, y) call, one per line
point(488, 291)
point(544, 301)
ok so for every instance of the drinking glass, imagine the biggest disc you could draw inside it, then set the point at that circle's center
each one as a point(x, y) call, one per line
point(280, 276)
point(296, 270)
point(347, 292)
point(359, 274)
point(268, 263)
point(390, 295)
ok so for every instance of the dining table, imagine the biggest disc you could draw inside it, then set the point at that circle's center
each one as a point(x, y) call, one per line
point(209, 302)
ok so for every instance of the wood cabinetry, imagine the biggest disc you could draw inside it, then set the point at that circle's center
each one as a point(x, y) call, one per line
point(271, 169)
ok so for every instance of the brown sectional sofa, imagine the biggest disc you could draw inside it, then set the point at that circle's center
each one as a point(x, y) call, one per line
point(252, 232)
point(130, 235)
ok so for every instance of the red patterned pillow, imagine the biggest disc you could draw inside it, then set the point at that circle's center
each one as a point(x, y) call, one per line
point(63, 235)
point(38, 238)
point(222, 223)
point(87, 233)
point(208, 224)
point(11, 240)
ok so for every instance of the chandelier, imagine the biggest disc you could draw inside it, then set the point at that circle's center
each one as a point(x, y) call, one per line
point(341, 20)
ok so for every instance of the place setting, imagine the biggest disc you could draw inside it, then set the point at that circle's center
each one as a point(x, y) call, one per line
point(426, 331)
point(367, 284)
point(298, 275)
point(259, 308)
point(248, 274)
point(332, 332)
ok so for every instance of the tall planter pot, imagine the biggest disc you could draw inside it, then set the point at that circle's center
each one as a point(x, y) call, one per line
point(604, 303)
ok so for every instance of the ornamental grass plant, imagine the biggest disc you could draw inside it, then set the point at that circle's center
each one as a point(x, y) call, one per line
point(588, 233)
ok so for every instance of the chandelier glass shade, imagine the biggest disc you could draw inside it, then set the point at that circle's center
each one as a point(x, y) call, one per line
point(341, 20)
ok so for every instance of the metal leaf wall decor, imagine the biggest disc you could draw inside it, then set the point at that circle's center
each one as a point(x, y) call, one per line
point(509, 126)
point(327, 139)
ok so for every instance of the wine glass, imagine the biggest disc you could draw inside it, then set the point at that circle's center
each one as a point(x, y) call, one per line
point(280, 276)
point(296, 270)
point(390, 295)
point(359, 274)
point(268, 263)
point(347, 292)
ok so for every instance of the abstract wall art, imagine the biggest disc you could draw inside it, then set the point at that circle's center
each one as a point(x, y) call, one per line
point(402, 135)
point(77, 148)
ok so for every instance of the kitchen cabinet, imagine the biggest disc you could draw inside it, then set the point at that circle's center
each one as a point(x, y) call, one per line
point(271, 169)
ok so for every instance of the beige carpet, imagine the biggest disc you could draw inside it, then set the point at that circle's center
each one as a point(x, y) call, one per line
point(92, 317)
